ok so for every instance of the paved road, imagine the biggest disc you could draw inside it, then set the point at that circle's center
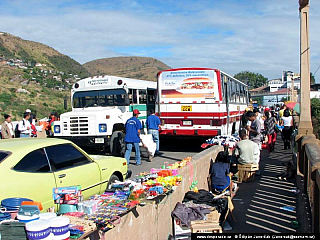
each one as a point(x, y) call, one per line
point(171, 151)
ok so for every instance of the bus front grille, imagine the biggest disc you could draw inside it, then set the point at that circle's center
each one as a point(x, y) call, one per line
point(79, 125)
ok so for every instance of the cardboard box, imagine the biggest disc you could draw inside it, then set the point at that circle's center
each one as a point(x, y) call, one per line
point(205, 226)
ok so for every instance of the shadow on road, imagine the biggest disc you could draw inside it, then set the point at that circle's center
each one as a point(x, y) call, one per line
point(181, 144)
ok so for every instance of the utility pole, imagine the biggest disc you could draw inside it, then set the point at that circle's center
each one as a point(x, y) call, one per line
point(292, 89)
point(305, 124)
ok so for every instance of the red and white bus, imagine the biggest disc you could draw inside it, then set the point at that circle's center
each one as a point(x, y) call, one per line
point(200, 102)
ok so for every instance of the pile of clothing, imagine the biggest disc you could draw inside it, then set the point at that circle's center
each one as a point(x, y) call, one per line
point(224, 140)
point(196, 205)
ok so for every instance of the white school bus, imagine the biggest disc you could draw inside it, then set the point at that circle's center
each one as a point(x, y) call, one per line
point(101, 106)
point(201, 102)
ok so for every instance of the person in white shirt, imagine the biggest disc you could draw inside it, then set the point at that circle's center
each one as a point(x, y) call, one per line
point(7, 131)
point(25, 126)
point(287, 123)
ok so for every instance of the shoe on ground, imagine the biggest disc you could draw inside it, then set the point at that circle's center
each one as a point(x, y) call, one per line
point(138, 164)
point(150, 158)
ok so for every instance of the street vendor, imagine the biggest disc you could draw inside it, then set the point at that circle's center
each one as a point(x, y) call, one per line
point(220, 174)
point(246, 151)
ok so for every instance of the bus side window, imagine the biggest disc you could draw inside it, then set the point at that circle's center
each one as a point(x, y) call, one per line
point(230, 90)
point(151, 96)
point(234, 91)
point(142, 97)
point(244, 100)
point(133, 96)
point(238, 93)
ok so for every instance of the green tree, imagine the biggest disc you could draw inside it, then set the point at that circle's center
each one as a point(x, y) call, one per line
point(312, 79)
point(253, 80)
point(315, 107)
point(315, 115)
point(284, 99)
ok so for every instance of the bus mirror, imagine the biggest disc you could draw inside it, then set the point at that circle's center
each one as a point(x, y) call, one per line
point(65, 102)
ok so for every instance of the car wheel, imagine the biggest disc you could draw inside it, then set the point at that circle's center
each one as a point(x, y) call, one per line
point(112, 179)
point(117, 144)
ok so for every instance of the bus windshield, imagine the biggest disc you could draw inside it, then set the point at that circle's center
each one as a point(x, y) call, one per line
point(101, 98)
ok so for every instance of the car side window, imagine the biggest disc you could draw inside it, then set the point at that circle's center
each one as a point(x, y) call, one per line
point(65, 156)
point(35, 161)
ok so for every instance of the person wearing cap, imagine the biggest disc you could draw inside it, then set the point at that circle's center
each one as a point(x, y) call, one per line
point(132, 138)
point(7, 130)
point(153, 125)
point(32, 118)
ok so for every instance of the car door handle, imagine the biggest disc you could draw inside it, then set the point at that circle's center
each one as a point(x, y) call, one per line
point(62, 175)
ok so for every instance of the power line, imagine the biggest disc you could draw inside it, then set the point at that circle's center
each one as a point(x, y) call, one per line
point(316, 71)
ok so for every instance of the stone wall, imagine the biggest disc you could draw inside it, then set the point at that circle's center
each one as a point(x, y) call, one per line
point(154, 220)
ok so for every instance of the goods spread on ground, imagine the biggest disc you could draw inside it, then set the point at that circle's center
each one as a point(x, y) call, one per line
point(78, 218)
point(225, 140)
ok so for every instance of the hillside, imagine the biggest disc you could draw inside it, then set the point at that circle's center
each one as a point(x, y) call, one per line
point(132, 67)
point(18, 93)
point(12, 47)
point(35, 76)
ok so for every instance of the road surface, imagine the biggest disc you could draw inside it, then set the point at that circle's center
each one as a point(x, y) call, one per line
point(171, 151)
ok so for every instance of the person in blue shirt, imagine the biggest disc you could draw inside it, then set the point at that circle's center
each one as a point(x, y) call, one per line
point(132, 138)
point(220, 174)
point(153, 124)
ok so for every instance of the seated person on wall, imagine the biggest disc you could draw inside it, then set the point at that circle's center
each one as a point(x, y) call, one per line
point(247, 151)
point(220, 174)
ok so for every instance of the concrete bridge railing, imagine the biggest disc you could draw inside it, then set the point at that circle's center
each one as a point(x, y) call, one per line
point(309, 167)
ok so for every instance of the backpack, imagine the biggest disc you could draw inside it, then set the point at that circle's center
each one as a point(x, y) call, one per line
point(17, 131)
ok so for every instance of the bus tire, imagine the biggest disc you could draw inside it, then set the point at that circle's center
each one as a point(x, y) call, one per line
point(117, 144)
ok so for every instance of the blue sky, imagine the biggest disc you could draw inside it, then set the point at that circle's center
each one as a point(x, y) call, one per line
point(232, 35)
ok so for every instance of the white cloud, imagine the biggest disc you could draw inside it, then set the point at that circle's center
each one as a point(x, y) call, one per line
point(259, 36)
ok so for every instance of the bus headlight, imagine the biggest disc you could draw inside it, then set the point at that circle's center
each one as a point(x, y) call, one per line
point(57, 129)
point(102, 127)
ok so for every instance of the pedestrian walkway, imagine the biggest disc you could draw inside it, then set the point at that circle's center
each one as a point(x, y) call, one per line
point(267, 205)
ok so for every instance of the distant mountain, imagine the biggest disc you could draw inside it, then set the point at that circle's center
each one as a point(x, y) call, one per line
point(144, 68)
point(12, 47)
point(36, 76)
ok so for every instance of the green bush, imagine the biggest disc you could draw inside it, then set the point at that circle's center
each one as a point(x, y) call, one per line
point(315, 115)
point(6, 98)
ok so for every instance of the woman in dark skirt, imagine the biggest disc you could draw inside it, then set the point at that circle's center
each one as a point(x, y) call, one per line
point(287, 123)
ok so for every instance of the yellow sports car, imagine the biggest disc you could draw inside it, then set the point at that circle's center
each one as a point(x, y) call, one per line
point(31, 168)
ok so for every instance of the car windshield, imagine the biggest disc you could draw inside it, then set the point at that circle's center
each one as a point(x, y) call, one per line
point(3, 155)
point(100, 98)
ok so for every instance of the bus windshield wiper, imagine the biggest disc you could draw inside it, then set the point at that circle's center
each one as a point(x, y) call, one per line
point(92, 105)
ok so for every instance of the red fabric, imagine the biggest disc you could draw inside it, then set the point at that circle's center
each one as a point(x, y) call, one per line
point(34, 130)
point(271, 140)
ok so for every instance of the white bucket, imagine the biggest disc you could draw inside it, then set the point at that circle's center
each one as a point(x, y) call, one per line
point(47, 215)
point(38, 229)
point(60, 227)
